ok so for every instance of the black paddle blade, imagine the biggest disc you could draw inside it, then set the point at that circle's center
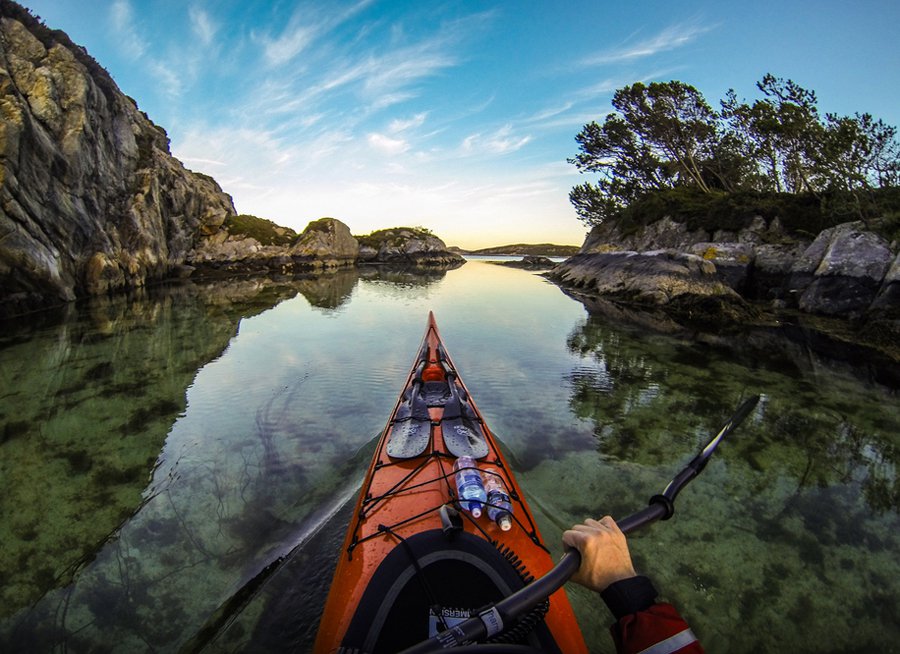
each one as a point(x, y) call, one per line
point(411, 427)
point(464, 439)
point(409, 438)
point(414, 405)
point(462, 433)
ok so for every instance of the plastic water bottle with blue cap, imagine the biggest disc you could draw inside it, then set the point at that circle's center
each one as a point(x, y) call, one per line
point(469, 485)
point(499, 507)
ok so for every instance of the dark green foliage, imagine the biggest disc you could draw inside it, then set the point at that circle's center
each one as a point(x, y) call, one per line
point(264, 231)
point(665, 151)
point(800, 214)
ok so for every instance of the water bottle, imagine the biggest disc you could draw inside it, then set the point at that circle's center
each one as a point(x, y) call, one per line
point(469, 485)
point(499, 507)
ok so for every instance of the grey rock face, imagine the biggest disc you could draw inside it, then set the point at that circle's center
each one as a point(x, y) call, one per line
point(842, 271)
point(654, 277)
point(845, 271)
point(327, 239)
point(91, 199)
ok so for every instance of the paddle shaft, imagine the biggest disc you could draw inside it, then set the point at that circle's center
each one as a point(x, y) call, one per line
point(510, 609)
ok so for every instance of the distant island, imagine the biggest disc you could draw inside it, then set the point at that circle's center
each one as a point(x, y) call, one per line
point(526, 249)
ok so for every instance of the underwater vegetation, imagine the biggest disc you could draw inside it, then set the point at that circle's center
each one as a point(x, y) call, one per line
point(796, 527)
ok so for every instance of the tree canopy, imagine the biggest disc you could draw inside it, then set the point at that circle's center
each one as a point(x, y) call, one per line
point(664, 135)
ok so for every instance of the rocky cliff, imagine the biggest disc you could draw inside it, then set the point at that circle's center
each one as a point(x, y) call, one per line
point(91, 199)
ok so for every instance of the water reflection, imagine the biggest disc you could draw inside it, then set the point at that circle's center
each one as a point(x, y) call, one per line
point(85, 410)
point(804, 497)
point(252, 403)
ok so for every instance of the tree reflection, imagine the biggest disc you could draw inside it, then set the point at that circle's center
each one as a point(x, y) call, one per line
point(652, 398)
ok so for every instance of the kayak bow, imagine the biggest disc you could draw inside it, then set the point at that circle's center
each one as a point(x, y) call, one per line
point(414, 562)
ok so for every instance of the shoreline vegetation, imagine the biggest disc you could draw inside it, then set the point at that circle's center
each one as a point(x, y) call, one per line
point(751, 212)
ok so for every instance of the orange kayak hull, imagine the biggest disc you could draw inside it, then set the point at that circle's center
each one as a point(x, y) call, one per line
point(399, 519)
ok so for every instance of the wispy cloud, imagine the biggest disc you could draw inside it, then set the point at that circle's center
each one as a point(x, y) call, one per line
point(501, 141)
point(386, 144)
point(170, 81)
point(128, 37)
point(202, 25)
point(287, 46)
point(307, 24)
point(402, 125)
point(671, 38)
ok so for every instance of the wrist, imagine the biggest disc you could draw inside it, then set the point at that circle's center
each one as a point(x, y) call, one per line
point(630, 595)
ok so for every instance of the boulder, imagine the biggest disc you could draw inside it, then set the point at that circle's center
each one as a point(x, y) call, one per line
point(887, 302)
point(662, 234)
point(772, 264)
point(684, 285)
point(840, 273)
point(733, 261)
point(653, 277)
point(327, 240)
point(530, 262)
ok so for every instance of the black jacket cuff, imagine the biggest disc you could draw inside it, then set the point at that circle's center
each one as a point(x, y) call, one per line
point(629, 596)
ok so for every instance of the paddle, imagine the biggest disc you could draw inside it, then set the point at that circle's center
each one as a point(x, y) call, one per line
point(490, 621)
point(459, 422)
point(411, 427)
point(461, 431)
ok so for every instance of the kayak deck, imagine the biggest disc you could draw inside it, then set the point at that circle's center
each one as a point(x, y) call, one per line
point(413, 561)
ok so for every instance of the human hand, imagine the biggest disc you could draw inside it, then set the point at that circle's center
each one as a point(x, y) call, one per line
point(604, 553)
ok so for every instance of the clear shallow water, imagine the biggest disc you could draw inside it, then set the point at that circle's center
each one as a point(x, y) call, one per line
point(159, 454)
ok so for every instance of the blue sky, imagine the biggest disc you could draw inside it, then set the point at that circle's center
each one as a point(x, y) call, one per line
point(459, 115)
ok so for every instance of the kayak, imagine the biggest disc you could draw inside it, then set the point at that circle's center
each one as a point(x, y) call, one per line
point(422, 552)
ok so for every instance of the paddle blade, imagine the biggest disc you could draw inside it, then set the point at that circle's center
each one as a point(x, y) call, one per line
point(409, 438)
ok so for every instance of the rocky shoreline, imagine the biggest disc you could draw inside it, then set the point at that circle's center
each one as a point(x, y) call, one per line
point(325, 244)
point(93, 202)
point(758, 276)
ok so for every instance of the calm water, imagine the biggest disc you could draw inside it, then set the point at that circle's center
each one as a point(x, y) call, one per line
point(175, 469)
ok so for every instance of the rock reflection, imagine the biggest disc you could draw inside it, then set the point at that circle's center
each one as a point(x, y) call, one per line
point(87, 404)
point(330, 290)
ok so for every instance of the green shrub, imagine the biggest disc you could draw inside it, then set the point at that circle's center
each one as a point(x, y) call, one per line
point(391, 235)
point(264, 231)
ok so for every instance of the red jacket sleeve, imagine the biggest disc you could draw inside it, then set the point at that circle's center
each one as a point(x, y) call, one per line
point(644, 626)
point(658, 630)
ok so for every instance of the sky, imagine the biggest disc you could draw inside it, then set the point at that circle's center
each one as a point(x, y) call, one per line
point(457, 116)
